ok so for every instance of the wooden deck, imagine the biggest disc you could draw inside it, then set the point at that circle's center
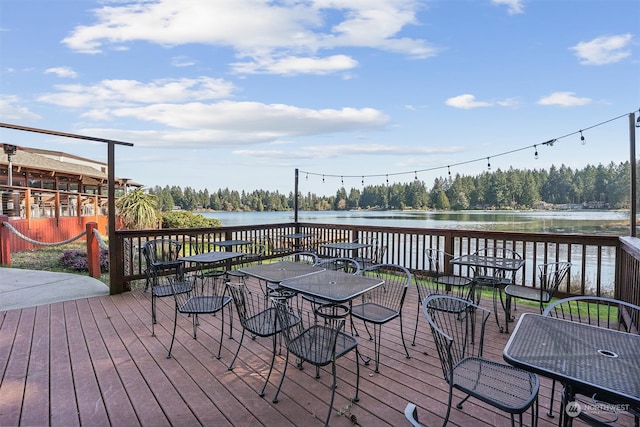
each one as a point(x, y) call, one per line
point(93, 362)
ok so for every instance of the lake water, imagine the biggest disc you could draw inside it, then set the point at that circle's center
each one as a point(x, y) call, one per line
point(579, 222)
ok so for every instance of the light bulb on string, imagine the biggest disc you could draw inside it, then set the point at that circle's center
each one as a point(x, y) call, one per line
point(342, 180)
point(536, 153)
point(582, 138)
point(387, 180)
point(415, 176)
point(488, 163)
point(323, 179)
point(449, 170)
point(307, 177)
point(363, 181)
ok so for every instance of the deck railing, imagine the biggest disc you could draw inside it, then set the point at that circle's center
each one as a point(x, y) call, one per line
point(595, 259)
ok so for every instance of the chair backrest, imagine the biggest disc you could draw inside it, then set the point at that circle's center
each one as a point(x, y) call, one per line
point(428, 283)
point(311, 334)
point(304, 257)
point(551, 275)
point(348, 265)
point(396, 282)
point(369, 252)
point(457, 326)
point(254, 308)
point(161, 250)
point(598, 311)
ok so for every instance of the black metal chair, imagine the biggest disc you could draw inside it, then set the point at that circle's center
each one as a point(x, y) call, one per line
point(496, 279)
point(206, 296)
point(258, 317)
point(459, 339)
point(606, 313)
point(551, 275)
point(305, 257)
point(164, 273)
point(384, 303)
point(438, 281)
point(317, 337)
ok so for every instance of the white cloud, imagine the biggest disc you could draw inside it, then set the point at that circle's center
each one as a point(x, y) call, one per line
point(603, 50)
point(563, 99)
point(127, 92)
point(296, 65)
point(341, 150)
point(10, 110)
point(62, 72)
point(514, 7)
point(277, 37)
point(228, 124)
point(182, 61)
point(466, 102)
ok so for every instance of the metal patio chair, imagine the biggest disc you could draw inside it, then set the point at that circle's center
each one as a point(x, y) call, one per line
point(438, 281)
point(459, 338)
point(258, 317)
point(317, 337)
point(383, 304)
point(164, 273)
point(206, 296)
point(551, 275)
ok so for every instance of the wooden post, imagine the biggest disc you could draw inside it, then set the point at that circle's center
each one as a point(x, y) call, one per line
point(5, 246)
point(93, 251)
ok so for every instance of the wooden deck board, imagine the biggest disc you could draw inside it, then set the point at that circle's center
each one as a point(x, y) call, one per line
point(94, 362)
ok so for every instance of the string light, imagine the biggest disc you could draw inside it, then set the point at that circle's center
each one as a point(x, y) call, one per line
point(549, 143)
point(363, 180)
point(307, 177)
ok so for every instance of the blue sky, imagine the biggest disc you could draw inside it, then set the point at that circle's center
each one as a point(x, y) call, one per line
point(238, 93)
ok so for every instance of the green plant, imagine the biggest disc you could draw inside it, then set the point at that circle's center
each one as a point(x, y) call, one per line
point(137, 210)
point(187, 219)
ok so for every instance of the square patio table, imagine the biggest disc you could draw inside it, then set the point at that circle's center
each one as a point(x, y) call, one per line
point(213, 257)
point(603, 362)
point(495, 263)
point(298, 237)
point(343, 247)
point(276, 272)
point(334, 286)
point(229, 244)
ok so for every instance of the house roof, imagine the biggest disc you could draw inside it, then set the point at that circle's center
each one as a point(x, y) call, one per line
point(90, 171)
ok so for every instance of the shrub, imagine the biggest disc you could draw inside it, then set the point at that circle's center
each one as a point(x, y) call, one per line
point(77, 260)
point(187, 219)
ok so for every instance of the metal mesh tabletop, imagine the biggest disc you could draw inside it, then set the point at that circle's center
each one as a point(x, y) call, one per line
point(499, 263)
point(601, 360)
point(278, 271)
point(334, 286)
point(211, 257)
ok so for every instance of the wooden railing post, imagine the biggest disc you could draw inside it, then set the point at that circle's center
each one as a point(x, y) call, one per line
point(5, 246)
point(93, 251)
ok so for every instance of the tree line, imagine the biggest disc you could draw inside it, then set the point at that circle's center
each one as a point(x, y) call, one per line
point(596, 186)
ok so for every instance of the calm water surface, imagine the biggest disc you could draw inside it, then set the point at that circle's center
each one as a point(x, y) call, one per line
point(580, 222)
